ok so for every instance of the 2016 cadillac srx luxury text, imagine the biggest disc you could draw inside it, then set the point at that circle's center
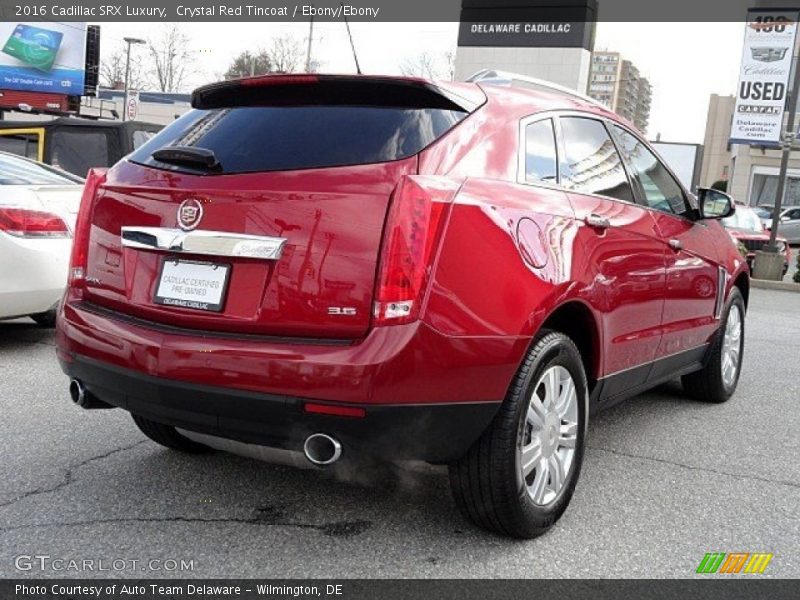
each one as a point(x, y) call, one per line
point(452, 272)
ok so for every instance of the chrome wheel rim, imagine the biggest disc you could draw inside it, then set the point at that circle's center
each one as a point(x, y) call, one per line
point(546, 448)
point(731, 346)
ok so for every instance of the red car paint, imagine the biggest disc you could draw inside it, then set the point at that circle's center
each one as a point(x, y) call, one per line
point(509, 258)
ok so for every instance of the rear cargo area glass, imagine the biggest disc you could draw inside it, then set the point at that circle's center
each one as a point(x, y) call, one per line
point(259, 139)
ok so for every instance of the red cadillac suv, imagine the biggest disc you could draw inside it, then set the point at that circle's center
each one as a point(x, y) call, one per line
point(452, 272)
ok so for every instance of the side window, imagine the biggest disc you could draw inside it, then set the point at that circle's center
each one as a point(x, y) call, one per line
point(794, 215)
point(540, 152)
point(22, 144)
point(591, 163)
point(660, 189)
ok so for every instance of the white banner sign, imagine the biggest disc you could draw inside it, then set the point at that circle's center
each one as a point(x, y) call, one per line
point(132, 107)
point(764, 77)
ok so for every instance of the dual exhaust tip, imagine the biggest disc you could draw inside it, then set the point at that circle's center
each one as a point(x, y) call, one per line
point(319, 448)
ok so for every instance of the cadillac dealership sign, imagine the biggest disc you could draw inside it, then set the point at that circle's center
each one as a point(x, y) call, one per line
point(769, 42)
point(567, 24)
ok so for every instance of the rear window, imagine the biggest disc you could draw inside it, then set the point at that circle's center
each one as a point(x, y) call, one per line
point(18, 171)
point(270, 138)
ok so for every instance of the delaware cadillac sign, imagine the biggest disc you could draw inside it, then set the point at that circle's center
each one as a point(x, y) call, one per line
point(769, 41)
point(527, 24)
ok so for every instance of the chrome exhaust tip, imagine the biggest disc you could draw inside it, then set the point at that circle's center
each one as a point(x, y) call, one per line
point(77, 392)
point(83, 397)
point(321, 449)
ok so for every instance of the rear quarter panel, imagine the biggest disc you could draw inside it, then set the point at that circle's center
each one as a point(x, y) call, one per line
point(508, 258)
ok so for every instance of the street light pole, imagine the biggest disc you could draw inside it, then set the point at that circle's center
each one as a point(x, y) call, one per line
point(787, 143)
point(129, 41)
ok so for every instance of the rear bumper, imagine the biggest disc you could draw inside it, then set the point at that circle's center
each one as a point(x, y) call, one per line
point(432, 432)
point(426, 395)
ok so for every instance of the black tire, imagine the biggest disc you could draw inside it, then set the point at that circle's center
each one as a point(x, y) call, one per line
point(708, 384)
point(487, 483)
point(45, 319)
point(167, 436)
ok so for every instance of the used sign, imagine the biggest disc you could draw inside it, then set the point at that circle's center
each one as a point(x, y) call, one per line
point(769, 42)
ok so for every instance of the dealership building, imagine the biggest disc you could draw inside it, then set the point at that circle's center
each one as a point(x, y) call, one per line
point(751, 171)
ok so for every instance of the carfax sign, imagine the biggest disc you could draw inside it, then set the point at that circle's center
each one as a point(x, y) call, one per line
point(43, 57)
point(769, 41)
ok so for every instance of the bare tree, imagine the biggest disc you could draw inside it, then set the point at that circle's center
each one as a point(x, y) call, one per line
point(285, 55)
point(112, 71)
point(249, 63)
point(426, 65)
point(171, 60)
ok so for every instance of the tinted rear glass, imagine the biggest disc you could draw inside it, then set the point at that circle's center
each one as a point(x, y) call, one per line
point(18, 171)
point(252, 139)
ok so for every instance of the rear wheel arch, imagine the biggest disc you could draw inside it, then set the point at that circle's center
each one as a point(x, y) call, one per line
point(575, 319)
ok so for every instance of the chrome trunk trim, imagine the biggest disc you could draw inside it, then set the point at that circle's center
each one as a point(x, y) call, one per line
point(207, 243)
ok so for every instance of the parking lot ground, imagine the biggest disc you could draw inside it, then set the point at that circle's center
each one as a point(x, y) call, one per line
point(665, 480)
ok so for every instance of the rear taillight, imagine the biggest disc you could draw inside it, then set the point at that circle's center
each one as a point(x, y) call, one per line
point(21, 222)
point(413, 229)
point(80, 245)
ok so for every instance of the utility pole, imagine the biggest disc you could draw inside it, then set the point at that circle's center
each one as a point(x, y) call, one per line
point(129, 41)
point(310, 39)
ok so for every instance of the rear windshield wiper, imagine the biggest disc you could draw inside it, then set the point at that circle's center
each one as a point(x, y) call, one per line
point(188, 155)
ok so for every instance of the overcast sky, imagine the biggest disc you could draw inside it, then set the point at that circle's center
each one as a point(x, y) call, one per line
point(685, 62)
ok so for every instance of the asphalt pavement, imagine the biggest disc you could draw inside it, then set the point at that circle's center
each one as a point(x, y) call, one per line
point(665, 480)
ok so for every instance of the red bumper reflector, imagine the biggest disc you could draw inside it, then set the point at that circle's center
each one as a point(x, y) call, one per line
point(339, 411)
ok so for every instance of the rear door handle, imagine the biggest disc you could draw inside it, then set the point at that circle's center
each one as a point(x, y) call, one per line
point(676, 245)
point(597, 221)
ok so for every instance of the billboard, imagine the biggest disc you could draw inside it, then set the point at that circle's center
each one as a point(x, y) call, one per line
point(43, 57)
point(769, 42)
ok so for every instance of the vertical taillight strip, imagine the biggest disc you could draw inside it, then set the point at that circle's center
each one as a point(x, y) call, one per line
point(80, 244)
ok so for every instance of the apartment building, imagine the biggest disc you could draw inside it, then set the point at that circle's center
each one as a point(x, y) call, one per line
point(618, 84)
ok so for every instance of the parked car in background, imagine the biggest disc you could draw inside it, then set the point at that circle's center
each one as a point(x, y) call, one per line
point(746, 227)
point(38, 206)
point(450, 272)
point(74, 144)
point(789, 224)
point(764, 213)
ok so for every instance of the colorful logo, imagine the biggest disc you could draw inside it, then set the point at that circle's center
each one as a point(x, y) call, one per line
point(734, 562)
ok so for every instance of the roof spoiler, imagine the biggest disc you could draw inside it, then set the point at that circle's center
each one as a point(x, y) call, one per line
point(331, 90)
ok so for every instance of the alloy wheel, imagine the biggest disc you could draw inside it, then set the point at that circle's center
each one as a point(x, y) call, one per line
point(731, 346)
point(546, 449)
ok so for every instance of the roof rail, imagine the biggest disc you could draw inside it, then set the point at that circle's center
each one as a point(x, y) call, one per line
point(494, 77)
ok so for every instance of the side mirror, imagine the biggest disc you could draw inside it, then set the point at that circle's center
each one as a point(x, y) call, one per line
point(785, 218)
point(714, 204)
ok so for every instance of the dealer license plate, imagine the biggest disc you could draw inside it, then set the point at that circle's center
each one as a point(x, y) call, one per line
point(191, 284)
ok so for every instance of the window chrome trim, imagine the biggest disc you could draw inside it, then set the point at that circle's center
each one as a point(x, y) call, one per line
point(206, 243)
point(607, 122)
